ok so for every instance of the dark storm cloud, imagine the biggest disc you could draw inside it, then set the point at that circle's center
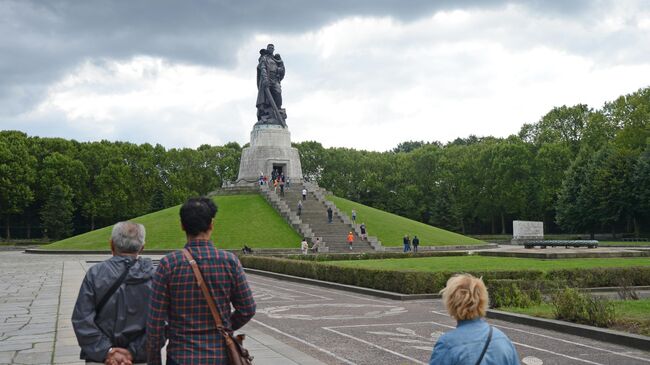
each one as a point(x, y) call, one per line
point(41, 40)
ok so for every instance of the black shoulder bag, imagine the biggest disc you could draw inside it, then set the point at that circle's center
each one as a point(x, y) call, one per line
point(487, 343)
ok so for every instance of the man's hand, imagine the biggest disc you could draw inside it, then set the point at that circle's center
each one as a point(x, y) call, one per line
point(119, 356)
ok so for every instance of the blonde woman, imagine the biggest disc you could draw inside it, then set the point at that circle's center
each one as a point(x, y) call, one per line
point(473, 342)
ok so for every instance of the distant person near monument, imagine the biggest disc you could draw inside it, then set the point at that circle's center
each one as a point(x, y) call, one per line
point(362, 227)
point(270, 72)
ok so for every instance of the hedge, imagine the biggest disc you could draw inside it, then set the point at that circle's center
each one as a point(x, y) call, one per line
point(372, 255)
point(412, 282)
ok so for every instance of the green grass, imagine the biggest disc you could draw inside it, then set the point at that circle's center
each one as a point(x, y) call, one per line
point(391, 228)
point(631, 315)
point(484, 263)
point(621, 243)
point(242, 219)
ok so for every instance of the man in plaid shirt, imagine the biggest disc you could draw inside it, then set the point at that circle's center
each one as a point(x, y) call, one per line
point(178, 311)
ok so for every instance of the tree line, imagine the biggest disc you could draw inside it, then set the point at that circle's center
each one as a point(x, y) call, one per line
point(578, 169)
point(55, 188)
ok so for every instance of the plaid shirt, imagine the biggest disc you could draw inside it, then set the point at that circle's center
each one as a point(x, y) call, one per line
point(176, 299)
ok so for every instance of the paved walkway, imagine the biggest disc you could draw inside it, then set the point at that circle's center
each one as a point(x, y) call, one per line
point(37, 295)
point(295, 324)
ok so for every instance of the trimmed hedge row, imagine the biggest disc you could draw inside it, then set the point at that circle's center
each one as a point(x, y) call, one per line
point(372, 255)
point(412, 282)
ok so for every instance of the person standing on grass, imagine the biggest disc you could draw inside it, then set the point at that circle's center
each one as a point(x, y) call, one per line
point(416, 243)
point(179, 312)
point(109, 317)
point(330, 214)
point(354, 216)
point(350, 239)
point(407, 243)
point(473, 341)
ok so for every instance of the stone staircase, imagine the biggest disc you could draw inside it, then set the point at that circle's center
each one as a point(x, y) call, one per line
point(313, 222)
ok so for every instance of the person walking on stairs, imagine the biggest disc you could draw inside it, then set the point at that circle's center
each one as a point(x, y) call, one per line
point(350, 240)
point(330, 214)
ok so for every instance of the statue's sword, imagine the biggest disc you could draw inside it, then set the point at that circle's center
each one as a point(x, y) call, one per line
point(278, 116)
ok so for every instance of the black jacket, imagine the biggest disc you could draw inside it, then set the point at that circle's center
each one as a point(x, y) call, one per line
point(122, 320)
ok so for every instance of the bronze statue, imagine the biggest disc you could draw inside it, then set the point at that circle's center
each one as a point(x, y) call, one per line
point(270, 72)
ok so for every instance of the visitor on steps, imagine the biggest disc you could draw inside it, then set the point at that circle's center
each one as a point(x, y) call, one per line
point(179, 312)
point(275, 185)
point(281, 187)
point(299, 207)
point(109, 317)
point(416, 243)
point(362, 227)
point(330, 214)
point(473, 341)
point(316, 245)
point(304, 194)
point(350, 239)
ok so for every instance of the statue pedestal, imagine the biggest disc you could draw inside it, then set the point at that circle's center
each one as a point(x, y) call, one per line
point(270, 148)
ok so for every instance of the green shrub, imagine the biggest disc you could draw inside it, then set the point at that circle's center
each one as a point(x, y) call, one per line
point(515, 293)
point(372, 255)
point(575, 306)
point(528, 283)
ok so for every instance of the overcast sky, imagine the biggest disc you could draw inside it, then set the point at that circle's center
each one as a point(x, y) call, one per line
point(360, 74)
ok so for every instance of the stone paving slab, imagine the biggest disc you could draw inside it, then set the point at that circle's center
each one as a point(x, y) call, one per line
point(37, 296)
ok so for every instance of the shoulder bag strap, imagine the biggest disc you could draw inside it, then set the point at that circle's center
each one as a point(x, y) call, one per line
point(487, 343)
point(113, 289)
point(207, 296)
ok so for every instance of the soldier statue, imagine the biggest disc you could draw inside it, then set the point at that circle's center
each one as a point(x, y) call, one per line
point(270, 72)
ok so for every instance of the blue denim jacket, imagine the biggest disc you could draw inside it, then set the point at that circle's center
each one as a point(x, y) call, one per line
point(463, 346)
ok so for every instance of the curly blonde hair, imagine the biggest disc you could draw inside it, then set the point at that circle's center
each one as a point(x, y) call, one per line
point(465, 297)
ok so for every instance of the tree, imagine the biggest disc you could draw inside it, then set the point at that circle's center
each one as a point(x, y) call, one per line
point(551, 163)
point(561, 124)
point(631, 113)
point(312, 159)
point(16, 176)
point(577, 205)
point(57, 212)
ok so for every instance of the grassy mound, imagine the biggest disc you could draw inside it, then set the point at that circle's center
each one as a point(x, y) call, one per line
point(242, 219)
point(391, 228)
point(486, 263)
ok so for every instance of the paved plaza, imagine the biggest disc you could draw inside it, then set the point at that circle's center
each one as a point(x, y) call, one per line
point(295, 324)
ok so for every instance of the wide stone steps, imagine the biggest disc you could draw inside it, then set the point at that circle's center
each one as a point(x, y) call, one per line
point(314, 216)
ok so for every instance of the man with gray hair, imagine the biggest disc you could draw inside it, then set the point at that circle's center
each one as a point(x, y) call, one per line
point(109, 318)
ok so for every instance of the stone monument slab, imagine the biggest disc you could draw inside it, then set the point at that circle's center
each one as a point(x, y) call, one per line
point(527, 230)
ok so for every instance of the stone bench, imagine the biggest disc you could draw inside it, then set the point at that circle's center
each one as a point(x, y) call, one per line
point(560, 243)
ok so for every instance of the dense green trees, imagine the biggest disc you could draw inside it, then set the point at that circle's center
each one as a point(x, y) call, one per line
point(65, 187)
point(578, 169)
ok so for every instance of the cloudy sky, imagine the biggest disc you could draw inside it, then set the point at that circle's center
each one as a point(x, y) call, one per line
point(364, 74)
